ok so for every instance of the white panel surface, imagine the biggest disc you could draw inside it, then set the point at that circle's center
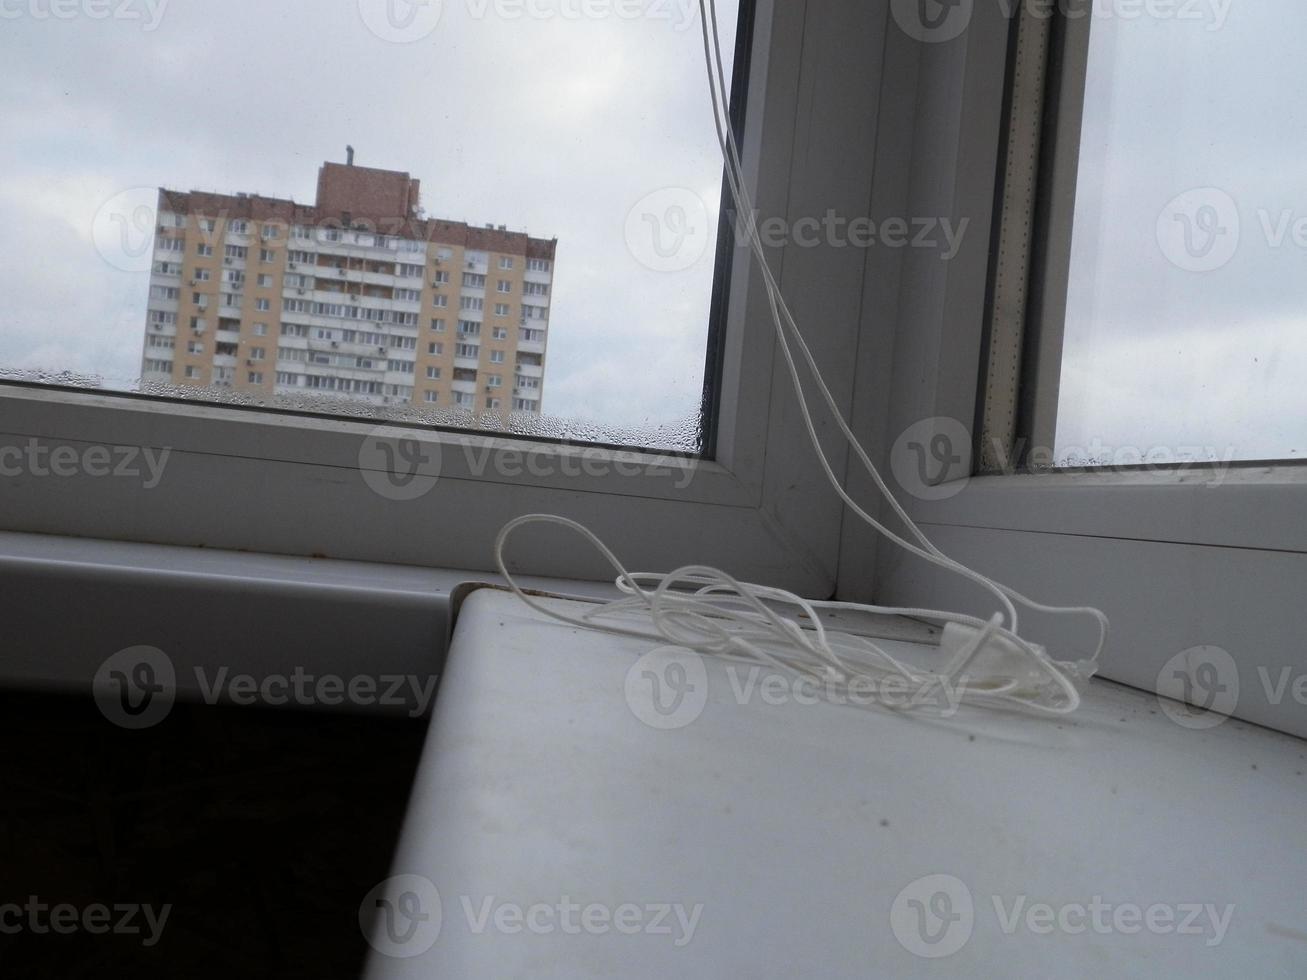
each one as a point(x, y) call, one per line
point(804, 831)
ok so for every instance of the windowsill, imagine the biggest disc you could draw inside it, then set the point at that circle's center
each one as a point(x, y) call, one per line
point(798, 826)
point(73, 602)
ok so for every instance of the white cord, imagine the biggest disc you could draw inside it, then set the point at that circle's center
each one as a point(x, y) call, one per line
point(707, 610)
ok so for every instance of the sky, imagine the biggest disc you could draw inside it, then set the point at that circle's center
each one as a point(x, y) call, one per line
point(526, 115)
point(1175, 345)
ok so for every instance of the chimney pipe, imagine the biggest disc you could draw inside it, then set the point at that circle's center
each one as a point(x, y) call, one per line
point(349, 156)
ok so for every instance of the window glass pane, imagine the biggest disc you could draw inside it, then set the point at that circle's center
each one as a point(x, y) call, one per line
point(522, 236)
point(1185, 332)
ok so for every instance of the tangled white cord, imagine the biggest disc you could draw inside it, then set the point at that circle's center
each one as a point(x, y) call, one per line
point(707, 610)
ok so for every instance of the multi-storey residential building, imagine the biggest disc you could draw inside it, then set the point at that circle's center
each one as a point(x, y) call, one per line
point(357, 295)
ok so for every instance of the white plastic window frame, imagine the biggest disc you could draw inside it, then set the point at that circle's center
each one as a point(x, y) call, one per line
point(1203, 582)
point(293, 485)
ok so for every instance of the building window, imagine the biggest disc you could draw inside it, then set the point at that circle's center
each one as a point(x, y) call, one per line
point(496, 357)
point(192, 372)
point(501, 309)
point(438, 326)
point(440, 302)
point(471, 303)
point(258, 353)
point(256, 377)
point(433, 373)
point(431, 397)
point(505, 262)
point(473, 281)
point(537, 265)
point(204, 251)
point(441, 278)
point(500, 333)
point(504, 286)
point(435, 348)
point(265, 282)
point(467, 350)
point(495, 381)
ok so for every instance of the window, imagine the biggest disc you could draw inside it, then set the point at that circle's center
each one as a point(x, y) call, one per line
point(500, 333)
point(501, 309)
point(408, 295)
point(239, 227)
point(204, 251)
point(440, 302)
point(256, 377)
point(265, 282)
point(202, 275)
point(469, 328)
point(538, 265)
point(441, 278)
point(267, 255)
point(285, 449)
point(435, 347)
point(260, 330)
point(495, 381)
point(467, 350)
point(408, 271)
point(496, 357)
point(473, 281)
point(471, 303)
point(503, 286)
point(258, 353)
point(431, 397)
point(236, 252)
point(262, 305)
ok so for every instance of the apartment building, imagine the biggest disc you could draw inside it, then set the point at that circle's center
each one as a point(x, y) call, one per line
point(357, 296)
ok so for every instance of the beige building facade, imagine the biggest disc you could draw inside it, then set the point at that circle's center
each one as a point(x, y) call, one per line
point(357, 296)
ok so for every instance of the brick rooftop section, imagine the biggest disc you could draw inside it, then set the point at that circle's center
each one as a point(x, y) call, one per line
point(382, 201)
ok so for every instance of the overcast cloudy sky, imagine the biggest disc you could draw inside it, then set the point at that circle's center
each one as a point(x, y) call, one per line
point(555, 126)
point(1159, 355)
